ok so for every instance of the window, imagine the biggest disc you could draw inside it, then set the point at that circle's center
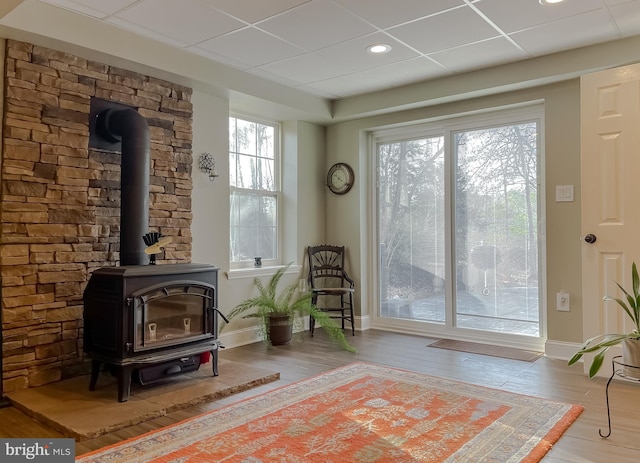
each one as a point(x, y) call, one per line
point(255, 191)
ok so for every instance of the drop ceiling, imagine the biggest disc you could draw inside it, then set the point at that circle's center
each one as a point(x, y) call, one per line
point(320, 46)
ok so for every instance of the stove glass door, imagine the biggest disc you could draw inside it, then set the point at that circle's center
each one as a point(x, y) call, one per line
point(172, 314)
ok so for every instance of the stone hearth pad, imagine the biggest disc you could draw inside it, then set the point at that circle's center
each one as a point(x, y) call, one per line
point(69, 407)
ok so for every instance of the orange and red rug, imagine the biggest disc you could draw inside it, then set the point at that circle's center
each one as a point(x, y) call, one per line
point(360, 413)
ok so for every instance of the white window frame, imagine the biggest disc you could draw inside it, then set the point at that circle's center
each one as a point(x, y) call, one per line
point(276, 193)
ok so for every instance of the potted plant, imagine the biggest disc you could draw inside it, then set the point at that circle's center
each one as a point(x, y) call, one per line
point(276, 312)
point(630, 342)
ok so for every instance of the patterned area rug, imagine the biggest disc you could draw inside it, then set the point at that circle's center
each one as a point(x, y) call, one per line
point(360, 413)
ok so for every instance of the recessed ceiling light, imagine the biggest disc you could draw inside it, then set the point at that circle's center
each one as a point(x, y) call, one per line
point(378, 48)
point(548, 2)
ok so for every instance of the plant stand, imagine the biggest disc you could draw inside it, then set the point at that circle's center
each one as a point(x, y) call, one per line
point(618, 370)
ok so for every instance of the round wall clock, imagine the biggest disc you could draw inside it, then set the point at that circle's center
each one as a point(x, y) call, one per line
point(340, 178)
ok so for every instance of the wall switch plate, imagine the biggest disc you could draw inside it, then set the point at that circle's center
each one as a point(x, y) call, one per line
point(563, 301)
point(564, 193)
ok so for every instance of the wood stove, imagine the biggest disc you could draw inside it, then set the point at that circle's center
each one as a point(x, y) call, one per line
point(150, 321)
point(144, 321)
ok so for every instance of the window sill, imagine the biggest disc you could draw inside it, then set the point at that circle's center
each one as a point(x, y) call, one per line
point(254, 272)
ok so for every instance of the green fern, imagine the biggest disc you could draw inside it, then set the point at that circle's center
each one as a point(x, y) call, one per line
point(268, 301)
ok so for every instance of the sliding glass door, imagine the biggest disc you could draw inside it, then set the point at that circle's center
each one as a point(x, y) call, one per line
point(458, 212)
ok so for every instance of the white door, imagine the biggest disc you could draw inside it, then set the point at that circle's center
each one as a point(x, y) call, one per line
point(610, 123)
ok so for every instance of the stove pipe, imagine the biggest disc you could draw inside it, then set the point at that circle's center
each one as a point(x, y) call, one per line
point(131, 128)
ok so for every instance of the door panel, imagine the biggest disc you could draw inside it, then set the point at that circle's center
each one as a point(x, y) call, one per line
point(610, 124)
point(496, 228)
point(411, 215)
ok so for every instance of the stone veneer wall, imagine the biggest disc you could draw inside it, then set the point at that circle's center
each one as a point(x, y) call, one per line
point(60, 201)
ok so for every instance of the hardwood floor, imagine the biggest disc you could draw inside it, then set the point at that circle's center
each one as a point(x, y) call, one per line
point(307, 356)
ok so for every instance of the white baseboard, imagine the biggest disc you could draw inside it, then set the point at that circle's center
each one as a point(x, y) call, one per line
point(244, 336)
point(561, 350)
point(363, 323)
point(237, 338)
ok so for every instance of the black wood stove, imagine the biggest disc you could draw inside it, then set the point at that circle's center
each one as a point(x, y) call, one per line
point(143, 321)
point(150, 321)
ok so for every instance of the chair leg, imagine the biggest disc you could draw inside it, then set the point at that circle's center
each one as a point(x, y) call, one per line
point(312, 321)
point(353, 324)
point(344, 307)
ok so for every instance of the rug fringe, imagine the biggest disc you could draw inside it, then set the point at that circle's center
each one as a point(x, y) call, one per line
point(546, 443)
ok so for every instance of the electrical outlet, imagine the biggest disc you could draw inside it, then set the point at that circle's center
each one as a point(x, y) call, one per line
point(563, 301)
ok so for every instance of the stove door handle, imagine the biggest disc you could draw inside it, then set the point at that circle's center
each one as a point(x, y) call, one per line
point(215, 309)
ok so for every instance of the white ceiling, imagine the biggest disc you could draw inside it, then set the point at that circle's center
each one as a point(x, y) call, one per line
point(319, 46)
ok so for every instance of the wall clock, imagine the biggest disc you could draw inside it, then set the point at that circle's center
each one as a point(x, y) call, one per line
point(340, 178)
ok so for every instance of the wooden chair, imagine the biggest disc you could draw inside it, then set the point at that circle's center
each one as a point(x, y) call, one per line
point(330, 284)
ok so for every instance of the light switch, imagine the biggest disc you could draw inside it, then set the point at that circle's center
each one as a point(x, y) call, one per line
point(563, 301)
point(564, 193)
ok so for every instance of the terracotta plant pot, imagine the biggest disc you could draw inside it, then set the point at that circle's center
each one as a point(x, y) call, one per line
point(280, 329)
point(631, 356)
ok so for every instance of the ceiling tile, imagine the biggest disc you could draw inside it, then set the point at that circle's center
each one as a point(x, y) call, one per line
point(189, 21)
point(306, 68)
point(95, 8)
point(274, 77)
point(317, 92)
point(146, 32)
point(251, 46)
point(353, 53)
point(406, 72)
point(515, 15)
point(584, 29)
point(494, 52)
point(446, 30)
point(347, 85)
point(316, 25)
point(390, 13)
point(617, 2)
point(253, 11)
point(627, 16)
point(218, 58)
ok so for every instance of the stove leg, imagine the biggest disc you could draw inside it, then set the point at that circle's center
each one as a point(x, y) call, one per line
point(124, 383)
point(214, 361)
point(95, 372)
